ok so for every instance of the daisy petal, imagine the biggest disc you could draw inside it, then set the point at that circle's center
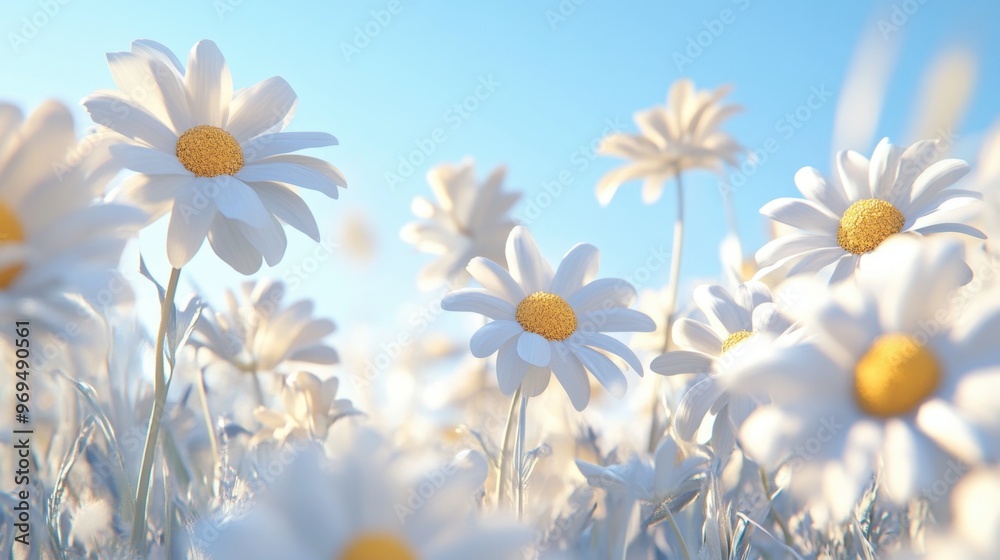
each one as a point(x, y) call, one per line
point(491, 336)
point(615, 320)
point(511, 369)
point(578, 266)
point(725, 316)
point(525, 263)
point(602, 294)
point(189, 224)
point(233, 247)
point(267, 145)
point(814, 186)
point(946, 426)
point(614, 346)
point(259, 108)
point(495, 279)
point(803, 214)
point(679, 362)
point(478, 301)
point(696, 335)
point(147, 160)
point(209, 84)
point(131, 121)
point(695, 405)
point(534, 349)
point(852, 168)
point(571, 375)
point(288, 207)
point(604, 370)
point(535, 381)
point(235, 200)
point(935, 178)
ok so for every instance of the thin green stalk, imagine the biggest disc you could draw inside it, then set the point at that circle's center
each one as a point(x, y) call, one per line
point(155, 417)
point(502, 463)
point(675, 276)
point(519, 449)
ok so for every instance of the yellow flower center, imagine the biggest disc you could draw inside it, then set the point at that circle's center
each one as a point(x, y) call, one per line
point(867, 223)
point(10, 232)
point(734, 339)
point(377, 546)
point(208, 151)
point(895, 375)
point(548, 315)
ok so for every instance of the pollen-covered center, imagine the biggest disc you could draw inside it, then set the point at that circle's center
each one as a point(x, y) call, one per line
point(548, 315)
point(208, 151)
point(895, 376)
point(867, 223)
point(734, 339)
point(10, 232)
point(380, 546)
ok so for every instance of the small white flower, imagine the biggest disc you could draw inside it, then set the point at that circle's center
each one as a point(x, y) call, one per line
point(682, 135)
point(546, 323)
point(842, 221)
point(467, 221)
point(885, 374)
point(258, 334)
point(309, 407)
point(216, 159)
point(711, 345)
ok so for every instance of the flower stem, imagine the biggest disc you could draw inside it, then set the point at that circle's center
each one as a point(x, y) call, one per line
point(675, 276)
point(680, 536)
point(774, 514)
point(160, 387)
point(209, 425)
point(504, 447)
point(519, 450)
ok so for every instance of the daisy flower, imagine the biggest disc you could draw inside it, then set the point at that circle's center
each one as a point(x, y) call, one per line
point(215, 158)
point(713, 344)
point(467, 221)
point(259, 334)
point(58, 248)
point(309, 407)
point(368, 504)
point(887, 374)
point(843, 220)
point(674, 138)
point(546, 323)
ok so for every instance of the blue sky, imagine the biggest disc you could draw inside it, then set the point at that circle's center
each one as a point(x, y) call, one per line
point(561, 74)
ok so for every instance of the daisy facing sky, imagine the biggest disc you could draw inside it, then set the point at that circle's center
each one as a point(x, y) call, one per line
point(215, 158)
point(842, 221)
point(545, 322)
point(888, 378)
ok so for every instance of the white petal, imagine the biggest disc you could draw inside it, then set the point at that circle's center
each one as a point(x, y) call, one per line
point(290, 173)
point(478, 301)
point(953, 433)
point(853, 170)
point(571, 375)
point(267, 145)
point(288, 207)
point(793, 244)
point(534, 349)
point(803, 214)
point(491, 336)
point(270, 240)
point(189, 223)
point(697, 336)
point(525, 263)
point(722, 312)
point(511, 369)
point(233, 247)
point(259, 108)
point(680, 362)
point(535, 381)
point(936, 177)
point(615, 320)
point(815, 187)
point(209, 84)
point(695, 405)
point(495, 279)
point(604, 370)
point(578, 266)
point(129, 120)
point(901, 455)
point(615, 346)
point(235, 200)
point(602, 294)
point(844, 269)
point(148, 160)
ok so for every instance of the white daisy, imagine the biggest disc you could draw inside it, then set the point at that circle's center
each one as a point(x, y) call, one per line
point(682, 135)
point(368, 504)
point(217, 158)
point(843, 220)
point(467, 221)
point(715, 344)
point(884, 375)
point(309, 407)
point(58, 249)
point(546, 323)
point(259, 334)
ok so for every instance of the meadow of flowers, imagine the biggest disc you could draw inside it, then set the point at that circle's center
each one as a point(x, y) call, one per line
point(833, 395)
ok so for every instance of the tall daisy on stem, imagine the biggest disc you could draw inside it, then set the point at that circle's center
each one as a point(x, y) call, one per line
point(682, 135)
point(217, 161)
point(545, 323)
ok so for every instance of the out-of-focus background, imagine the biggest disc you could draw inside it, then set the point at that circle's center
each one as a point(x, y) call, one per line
point(533, 86)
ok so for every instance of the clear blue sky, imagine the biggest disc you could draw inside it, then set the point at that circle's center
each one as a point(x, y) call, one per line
point(560, 81)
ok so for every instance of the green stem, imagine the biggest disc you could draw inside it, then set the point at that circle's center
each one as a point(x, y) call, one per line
point(504, 447)
point(519, 449)
point(160, 387)
point(675, 276)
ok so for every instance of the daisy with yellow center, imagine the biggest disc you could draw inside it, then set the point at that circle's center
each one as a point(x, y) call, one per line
point(876, 381)
point(545, 322)
point(710, 346)
point(219, 162)
point(842, 221)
